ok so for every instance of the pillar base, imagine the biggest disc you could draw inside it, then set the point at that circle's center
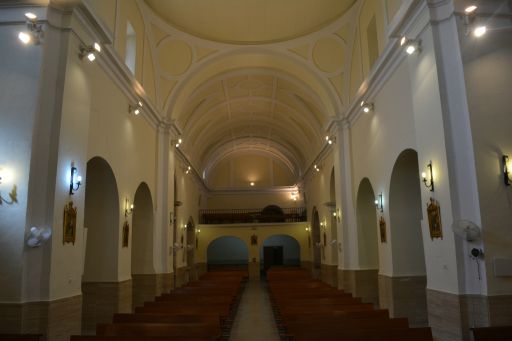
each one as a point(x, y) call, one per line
point(329, 275)
point(102, 300)
point(55, 319)
point(361, 283)
point(147, 286)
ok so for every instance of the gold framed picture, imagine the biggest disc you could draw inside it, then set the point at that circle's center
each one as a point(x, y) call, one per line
point(382, 230)
point(126, 233)
point(434, 219)
point(69, 224)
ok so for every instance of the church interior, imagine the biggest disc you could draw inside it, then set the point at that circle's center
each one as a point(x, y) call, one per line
point(264, 157)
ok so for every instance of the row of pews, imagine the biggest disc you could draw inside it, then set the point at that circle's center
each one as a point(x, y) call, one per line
point(200, 311)
point(307, 309)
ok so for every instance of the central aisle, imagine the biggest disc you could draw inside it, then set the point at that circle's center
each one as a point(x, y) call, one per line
point(254, 319)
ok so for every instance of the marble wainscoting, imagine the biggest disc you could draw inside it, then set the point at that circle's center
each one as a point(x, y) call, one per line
point(145, 287)
point(57, 320)
point(451, 316)
point(101, 300)
point(360, 283)
point(405, 297)
point(305, 264)
point(181, 276)
point(201, 269)
point(329, 275)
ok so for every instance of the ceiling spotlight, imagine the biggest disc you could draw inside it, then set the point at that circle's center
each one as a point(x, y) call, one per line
point(90, 51)
point(366, 107)
point(479, 31)
point(470, 9)
point(135, 109)
point(30, 16)
point(34, 35)
point(410, 45)
point(24, 37)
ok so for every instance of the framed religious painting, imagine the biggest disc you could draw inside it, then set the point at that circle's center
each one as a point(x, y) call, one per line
point(126, 233)
point(434, 219)
point(69, 224)
point(382, 230)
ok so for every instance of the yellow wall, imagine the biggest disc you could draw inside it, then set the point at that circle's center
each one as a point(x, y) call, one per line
point(211, 232)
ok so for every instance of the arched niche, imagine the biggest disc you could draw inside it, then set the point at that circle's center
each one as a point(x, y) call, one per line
point(101, 219)
point(142, 235)
point(408, 259)
point(280, 250)
point(405, 216)
point(367, 230)
point(227, 251)
point(315, 236)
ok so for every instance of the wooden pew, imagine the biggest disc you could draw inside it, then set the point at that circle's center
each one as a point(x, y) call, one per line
point(21, 337)
point(498, 333)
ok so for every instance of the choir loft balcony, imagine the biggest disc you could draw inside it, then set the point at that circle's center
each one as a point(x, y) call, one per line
point(269, 214)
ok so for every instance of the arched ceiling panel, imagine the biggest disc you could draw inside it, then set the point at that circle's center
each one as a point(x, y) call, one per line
point(249, 21)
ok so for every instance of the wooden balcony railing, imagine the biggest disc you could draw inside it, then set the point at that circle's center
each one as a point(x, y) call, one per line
point(270, 214)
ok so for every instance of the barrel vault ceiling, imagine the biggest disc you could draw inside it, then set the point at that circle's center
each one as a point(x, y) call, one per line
point(236, 77)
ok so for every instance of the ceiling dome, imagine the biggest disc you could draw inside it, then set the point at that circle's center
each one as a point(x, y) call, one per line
point(249, 21)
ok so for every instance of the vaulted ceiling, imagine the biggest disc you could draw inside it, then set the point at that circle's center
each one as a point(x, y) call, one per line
point(252, 75)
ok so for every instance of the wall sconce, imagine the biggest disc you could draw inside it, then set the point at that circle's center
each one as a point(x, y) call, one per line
point(135, 109)
point(378, 203)
point(428, 183)
point(188, 170)
point(128, 208)
point(294, 195)
point(317, 168)
point(89, 51)
point(308, 229)
point(506, 170)
point(366, 107)
point(75, 180)
point(177, 143)
point(6, 177)
point(337, 214)
point(35, 34)
point(410, 46)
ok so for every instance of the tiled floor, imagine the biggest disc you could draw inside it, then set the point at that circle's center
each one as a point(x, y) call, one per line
point(254, 319)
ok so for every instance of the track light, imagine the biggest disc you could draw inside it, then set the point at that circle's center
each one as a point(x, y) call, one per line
point(430, 182)
point(90, 51)
point(366, 107)
point(34, 35)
